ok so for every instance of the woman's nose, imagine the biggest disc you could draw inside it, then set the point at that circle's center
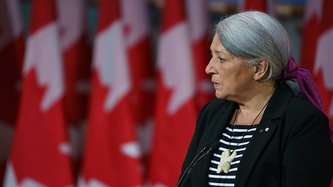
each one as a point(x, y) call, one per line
point(209, 67)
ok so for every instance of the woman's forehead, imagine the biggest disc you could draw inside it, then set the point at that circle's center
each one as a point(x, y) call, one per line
point(216, 45)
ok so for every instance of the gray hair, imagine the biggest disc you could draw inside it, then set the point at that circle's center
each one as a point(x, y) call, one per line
point(254, 35)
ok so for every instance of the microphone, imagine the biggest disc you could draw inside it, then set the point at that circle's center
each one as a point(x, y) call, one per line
point(205, 151)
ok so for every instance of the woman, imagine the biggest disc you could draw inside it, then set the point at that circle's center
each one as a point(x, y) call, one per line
point(269, 136)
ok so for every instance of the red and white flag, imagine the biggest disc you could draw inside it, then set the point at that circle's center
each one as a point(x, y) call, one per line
point(138, 44)
point(199, 24)
point(323, 67)
point(76, 51)
point(11, 55)
point(175, 108)
point(311, 28)
point(112, 155)
point(315, 52)
point(40, 154)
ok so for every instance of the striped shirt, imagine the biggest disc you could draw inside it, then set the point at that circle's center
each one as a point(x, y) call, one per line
point(234, 138)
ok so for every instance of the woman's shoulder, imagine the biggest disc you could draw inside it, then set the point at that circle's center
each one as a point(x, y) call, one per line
point(302, 105)
point(294, 103)
point(302, 112)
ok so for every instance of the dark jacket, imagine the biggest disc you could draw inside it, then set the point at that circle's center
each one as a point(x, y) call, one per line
point(290, 148)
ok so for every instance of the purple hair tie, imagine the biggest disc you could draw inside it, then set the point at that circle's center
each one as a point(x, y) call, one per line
point(307, 86)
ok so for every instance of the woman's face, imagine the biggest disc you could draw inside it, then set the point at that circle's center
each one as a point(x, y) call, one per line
point(232, 76)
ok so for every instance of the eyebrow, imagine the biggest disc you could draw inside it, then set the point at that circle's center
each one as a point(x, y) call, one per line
point(216, 51)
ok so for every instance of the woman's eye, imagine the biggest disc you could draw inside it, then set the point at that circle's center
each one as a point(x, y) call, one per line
point(221, 59)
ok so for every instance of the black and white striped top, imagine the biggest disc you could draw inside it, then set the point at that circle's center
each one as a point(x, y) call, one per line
point(235, 137)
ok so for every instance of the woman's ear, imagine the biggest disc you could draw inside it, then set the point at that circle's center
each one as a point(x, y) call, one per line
point(261, 70)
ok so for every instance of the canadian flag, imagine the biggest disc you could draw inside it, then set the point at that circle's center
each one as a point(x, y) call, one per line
point(76, 51)
point(323, 66)
point(199, 22)
point(41, 154)
point(316, 53)
point(138, 44)
point(175, 108)
point(11, 55)
point(112, 154)
point(311, 29)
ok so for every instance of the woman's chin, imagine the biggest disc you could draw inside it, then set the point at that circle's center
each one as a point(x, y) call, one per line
point(219, 95)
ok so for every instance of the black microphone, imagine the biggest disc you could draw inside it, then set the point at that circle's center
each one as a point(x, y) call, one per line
point(205, 151)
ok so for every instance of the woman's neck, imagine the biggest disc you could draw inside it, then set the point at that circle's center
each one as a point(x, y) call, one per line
point(251, 111)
